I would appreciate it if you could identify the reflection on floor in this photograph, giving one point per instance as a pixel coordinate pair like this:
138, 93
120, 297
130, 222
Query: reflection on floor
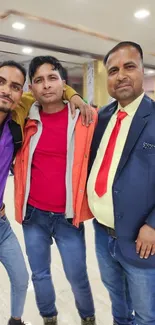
65, 301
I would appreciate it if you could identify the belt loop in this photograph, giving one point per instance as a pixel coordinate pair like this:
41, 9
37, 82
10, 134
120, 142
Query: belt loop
2, 207
2, 210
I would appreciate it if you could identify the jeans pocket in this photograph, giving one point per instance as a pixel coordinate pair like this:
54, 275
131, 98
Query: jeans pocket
29, 214
69, 222
3, 220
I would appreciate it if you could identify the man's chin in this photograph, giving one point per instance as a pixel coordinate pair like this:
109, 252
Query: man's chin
123, 94
48, 101
5, 110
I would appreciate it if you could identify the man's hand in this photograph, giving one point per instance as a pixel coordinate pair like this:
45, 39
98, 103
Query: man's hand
145, 243
85, 109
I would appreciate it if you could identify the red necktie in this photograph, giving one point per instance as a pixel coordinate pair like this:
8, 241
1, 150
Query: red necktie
102, 177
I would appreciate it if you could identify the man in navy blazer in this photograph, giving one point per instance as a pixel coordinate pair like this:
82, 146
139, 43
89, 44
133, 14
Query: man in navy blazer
121, 189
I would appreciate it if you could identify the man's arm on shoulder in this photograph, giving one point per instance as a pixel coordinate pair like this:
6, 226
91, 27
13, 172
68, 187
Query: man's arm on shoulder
25, 104
77, 102
27, 100
69, 94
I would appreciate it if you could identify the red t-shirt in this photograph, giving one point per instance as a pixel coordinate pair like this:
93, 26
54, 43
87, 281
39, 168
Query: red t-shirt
48, 171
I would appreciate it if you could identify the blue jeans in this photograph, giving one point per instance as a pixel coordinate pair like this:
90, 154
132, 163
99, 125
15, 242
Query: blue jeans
130, 288
12, 258
39, 228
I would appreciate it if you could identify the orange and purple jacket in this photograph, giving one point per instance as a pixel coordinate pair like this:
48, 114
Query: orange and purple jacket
79, 140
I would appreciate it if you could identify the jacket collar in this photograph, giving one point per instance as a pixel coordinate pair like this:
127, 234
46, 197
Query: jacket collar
139, 122
146, 108
35, 108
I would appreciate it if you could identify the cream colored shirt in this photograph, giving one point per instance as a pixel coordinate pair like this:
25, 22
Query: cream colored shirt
102, 207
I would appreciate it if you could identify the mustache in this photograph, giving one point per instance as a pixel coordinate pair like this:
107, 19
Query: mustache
5, 110
122, 83
7, 97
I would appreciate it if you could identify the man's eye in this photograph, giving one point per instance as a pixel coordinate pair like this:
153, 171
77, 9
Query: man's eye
16, 88
111, 72
52, 78
37, 81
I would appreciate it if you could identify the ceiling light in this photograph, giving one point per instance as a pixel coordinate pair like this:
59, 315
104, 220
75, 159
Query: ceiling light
27, 50
141, 14
18, 25
150, 71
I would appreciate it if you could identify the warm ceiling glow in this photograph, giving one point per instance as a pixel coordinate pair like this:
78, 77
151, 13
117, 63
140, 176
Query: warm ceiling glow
27, 50
150, 71
141, 14
18, 25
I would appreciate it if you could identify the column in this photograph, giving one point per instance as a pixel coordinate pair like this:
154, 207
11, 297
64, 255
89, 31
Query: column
95, 83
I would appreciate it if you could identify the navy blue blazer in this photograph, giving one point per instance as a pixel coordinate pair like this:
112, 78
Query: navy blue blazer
134, 184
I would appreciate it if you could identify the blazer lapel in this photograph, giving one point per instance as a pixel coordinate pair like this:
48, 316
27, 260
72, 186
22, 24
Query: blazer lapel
138, 124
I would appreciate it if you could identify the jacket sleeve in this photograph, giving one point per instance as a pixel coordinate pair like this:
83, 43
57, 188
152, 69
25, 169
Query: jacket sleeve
150, 221
69, 92
25, 104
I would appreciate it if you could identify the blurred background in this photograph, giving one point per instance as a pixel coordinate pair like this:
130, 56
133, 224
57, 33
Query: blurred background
79, 33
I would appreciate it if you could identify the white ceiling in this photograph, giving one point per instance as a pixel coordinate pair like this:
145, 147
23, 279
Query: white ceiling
111, 18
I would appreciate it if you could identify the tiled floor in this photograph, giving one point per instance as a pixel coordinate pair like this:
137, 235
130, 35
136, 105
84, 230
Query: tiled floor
65, 301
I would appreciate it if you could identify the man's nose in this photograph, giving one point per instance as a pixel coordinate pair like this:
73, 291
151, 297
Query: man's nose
121, 75
46, 84
6, 90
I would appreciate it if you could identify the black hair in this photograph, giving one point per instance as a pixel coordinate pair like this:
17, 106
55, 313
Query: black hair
14, 64
124, 44
65, 75
40, 60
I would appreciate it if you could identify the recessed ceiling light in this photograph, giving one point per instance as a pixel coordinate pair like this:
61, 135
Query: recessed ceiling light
27, 50
141, 14
150, 71
18, 25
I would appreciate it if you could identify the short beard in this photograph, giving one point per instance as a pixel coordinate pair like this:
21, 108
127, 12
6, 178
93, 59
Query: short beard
5, 110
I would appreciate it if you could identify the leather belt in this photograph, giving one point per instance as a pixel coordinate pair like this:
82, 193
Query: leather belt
2, 211
110, 231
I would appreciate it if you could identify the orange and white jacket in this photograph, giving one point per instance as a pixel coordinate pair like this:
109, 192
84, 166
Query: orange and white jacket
79, 140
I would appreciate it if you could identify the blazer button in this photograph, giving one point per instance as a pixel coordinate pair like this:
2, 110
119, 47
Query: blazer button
119, 216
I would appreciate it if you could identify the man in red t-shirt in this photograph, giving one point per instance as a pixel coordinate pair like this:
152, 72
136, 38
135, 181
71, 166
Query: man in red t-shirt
48, 211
